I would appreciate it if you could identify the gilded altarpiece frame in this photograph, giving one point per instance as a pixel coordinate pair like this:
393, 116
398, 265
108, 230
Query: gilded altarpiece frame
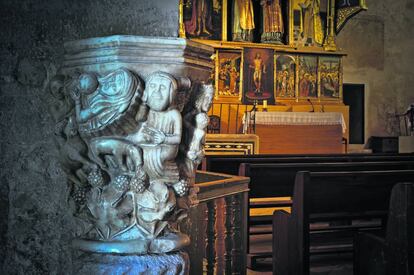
330, 77
228, 76
285, 76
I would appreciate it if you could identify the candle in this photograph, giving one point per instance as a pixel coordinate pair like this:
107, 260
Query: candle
264, 104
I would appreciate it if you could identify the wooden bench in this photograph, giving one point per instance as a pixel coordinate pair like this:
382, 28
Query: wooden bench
326, 197
229, 164
394, 253
271, 187
277, 179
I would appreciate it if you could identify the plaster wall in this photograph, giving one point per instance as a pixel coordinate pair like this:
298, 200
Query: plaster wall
35, 227
380, 47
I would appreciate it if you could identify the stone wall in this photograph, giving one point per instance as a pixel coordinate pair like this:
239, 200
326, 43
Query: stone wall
35, 227
380, 47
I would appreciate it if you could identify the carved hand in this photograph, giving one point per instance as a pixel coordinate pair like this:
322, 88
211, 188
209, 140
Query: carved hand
75, 94
159, 137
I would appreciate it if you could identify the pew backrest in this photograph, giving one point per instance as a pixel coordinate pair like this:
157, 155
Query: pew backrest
277, 179
325, 196
229, 164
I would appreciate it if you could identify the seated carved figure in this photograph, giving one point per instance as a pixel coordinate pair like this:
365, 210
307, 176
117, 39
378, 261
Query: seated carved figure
160, 135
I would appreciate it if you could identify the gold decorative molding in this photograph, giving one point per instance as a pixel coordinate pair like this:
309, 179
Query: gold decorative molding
181, 31
344, 14
226, 144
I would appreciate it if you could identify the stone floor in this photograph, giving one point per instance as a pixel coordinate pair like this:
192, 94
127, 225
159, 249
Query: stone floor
340, 269
334, 270
262, 243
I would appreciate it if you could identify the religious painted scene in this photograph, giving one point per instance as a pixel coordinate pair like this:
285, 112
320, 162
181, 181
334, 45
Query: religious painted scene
217, 137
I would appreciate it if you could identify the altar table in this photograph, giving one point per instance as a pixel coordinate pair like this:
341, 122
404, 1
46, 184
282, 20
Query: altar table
297, 132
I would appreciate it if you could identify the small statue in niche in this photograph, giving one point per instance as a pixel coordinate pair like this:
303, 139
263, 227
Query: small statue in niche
273, 27
243, 20
312, 29
200, 23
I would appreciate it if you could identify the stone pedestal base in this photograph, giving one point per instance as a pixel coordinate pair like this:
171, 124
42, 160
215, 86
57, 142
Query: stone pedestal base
168, 264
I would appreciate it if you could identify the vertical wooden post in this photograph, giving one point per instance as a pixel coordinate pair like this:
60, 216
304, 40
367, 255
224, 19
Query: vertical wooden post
211, 237
228, 234
239, 230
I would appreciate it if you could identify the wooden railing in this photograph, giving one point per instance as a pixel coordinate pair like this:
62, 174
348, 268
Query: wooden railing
231, 115
218, 225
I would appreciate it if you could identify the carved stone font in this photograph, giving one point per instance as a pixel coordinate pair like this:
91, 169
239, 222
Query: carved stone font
130, 155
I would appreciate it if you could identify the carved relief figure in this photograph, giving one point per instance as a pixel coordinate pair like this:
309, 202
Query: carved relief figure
243, 20
273, 27
72, 149
312, 30
196, 121
160, 135
99, 102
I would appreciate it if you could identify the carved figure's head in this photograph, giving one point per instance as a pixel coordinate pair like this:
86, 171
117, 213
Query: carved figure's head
160, 91
205, 98
87, 83
56, 87
156, 202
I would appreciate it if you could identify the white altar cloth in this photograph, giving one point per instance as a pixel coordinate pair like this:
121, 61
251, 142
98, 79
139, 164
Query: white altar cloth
294, 118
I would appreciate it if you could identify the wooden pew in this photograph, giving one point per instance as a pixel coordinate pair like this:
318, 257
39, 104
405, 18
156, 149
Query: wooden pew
277, 179
394, 253
229, 164
271, 185
326, 197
